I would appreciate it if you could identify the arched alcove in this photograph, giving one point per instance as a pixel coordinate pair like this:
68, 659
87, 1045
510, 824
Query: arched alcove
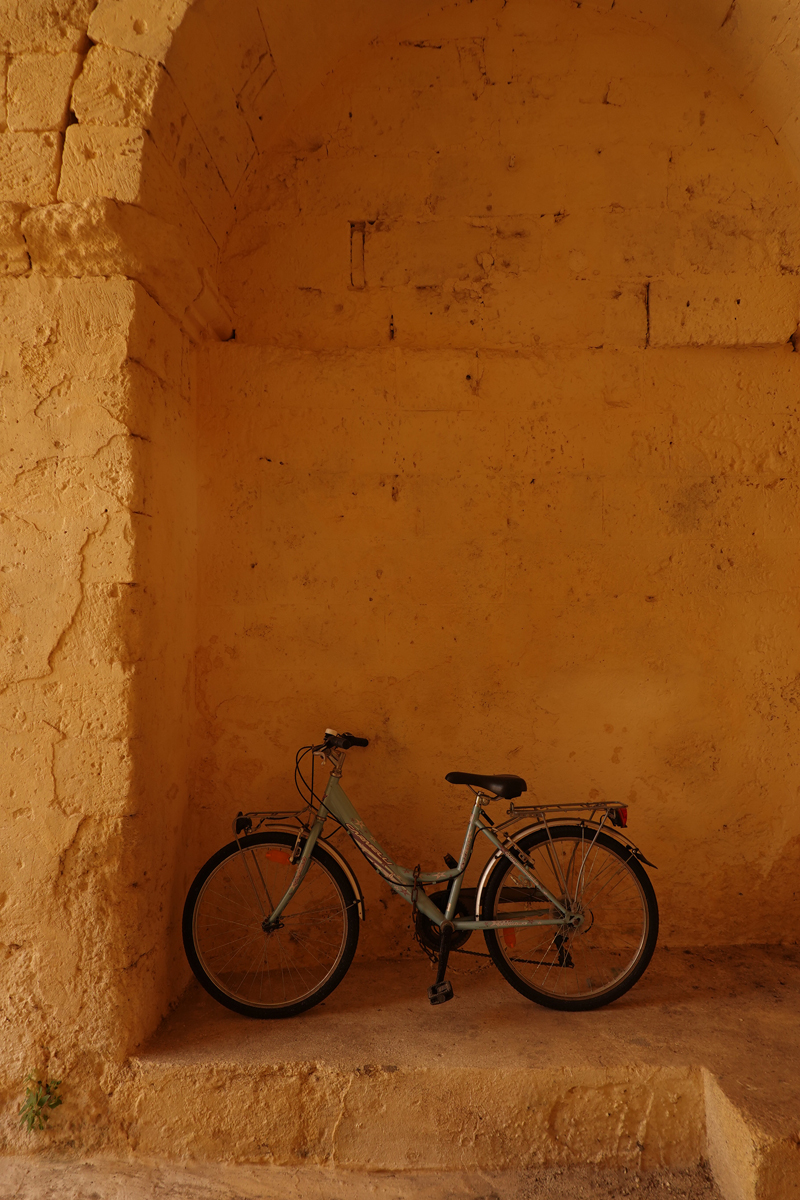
130, 258
510, 303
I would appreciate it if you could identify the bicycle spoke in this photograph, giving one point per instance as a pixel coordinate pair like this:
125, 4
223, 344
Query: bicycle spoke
570, 962
291, 962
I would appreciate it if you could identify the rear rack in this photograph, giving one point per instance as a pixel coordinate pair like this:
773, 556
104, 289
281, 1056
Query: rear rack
530, 810
598, 810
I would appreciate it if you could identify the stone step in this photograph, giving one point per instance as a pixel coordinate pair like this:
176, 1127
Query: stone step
694, 1062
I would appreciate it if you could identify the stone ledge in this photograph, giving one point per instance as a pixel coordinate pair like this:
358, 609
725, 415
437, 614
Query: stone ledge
692, 1062
25, 1179
103, 237
696, 1061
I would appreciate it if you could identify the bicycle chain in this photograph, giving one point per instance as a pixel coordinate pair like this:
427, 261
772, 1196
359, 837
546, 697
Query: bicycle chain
434, 957
431, 954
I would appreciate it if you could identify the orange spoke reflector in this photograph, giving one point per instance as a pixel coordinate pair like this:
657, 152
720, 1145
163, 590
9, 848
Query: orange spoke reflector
279, 856
510, 938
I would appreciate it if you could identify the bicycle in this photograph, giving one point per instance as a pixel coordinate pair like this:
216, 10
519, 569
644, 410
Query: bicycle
568, 913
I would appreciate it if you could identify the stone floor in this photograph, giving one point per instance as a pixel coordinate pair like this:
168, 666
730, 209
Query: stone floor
376, 1094
735, 1011
103, 1180
733, 1014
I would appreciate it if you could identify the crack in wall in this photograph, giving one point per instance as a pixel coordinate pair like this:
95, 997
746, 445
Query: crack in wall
332, 1159
647, 313
70, 115
728, 14
80, 581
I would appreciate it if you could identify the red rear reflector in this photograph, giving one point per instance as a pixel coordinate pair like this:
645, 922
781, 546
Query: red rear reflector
279, 856
623, 816
510, 938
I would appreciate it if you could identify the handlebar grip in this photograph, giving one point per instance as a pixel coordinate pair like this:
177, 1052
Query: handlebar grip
343, 740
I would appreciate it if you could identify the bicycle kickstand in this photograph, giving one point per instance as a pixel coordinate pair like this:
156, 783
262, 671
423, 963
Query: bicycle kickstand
442, 991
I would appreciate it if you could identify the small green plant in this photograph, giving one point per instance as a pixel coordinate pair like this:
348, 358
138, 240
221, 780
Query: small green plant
40, 1095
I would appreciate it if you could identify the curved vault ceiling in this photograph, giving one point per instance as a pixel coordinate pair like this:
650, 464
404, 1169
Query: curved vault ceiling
756, 43
238, 72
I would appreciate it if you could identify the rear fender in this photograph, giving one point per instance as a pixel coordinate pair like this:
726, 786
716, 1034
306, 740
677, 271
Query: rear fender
521, 833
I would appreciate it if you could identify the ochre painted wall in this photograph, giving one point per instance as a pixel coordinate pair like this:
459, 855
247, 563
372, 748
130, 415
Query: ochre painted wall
503, 476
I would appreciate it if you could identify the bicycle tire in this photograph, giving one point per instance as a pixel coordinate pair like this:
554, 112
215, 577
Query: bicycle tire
284, 972
560, 966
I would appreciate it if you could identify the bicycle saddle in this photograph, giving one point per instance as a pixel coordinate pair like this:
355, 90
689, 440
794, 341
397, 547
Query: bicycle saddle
506, 787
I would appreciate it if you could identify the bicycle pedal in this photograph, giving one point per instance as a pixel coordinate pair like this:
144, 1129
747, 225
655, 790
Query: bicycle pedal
440, 993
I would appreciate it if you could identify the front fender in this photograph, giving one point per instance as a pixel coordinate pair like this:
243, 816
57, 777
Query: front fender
351, 876
338, 858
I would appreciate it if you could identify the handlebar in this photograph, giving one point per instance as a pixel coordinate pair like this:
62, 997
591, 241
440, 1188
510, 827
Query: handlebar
343, 741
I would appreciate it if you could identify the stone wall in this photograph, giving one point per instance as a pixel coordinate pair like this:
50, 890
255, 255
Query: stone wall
170, 172
98, 585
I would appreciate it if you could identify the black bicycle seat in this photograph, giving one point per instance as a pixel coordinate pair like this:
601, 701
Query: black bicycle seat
506, 787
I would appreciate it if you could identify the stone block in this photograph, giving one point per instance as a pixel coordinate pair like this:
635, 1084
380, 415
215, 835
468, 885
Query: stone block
14, 258
102, 237
91, 765
722, 167
44, 25
100, 161
115, 472
116, 87
93, 692
625, 317
53, 329
29, 167
617, 244
429, 120
724, 310
426, 254
41, 585
126, 165
110, 555
39, 87
74, 423
3, 90
145, 27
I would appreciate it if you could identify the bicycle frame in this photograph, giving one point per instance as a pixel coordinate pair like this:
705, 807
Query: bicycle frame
403, 881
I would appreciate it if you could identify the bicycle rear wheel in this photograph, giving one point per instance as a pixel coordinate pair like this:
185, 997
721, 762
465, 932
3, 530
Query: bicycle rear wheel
289, 969
564, 966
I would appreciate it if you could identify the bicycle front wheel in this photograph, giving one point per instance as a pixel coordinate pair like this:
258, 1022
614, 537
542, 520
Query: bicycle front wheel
297, 964
601, 883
